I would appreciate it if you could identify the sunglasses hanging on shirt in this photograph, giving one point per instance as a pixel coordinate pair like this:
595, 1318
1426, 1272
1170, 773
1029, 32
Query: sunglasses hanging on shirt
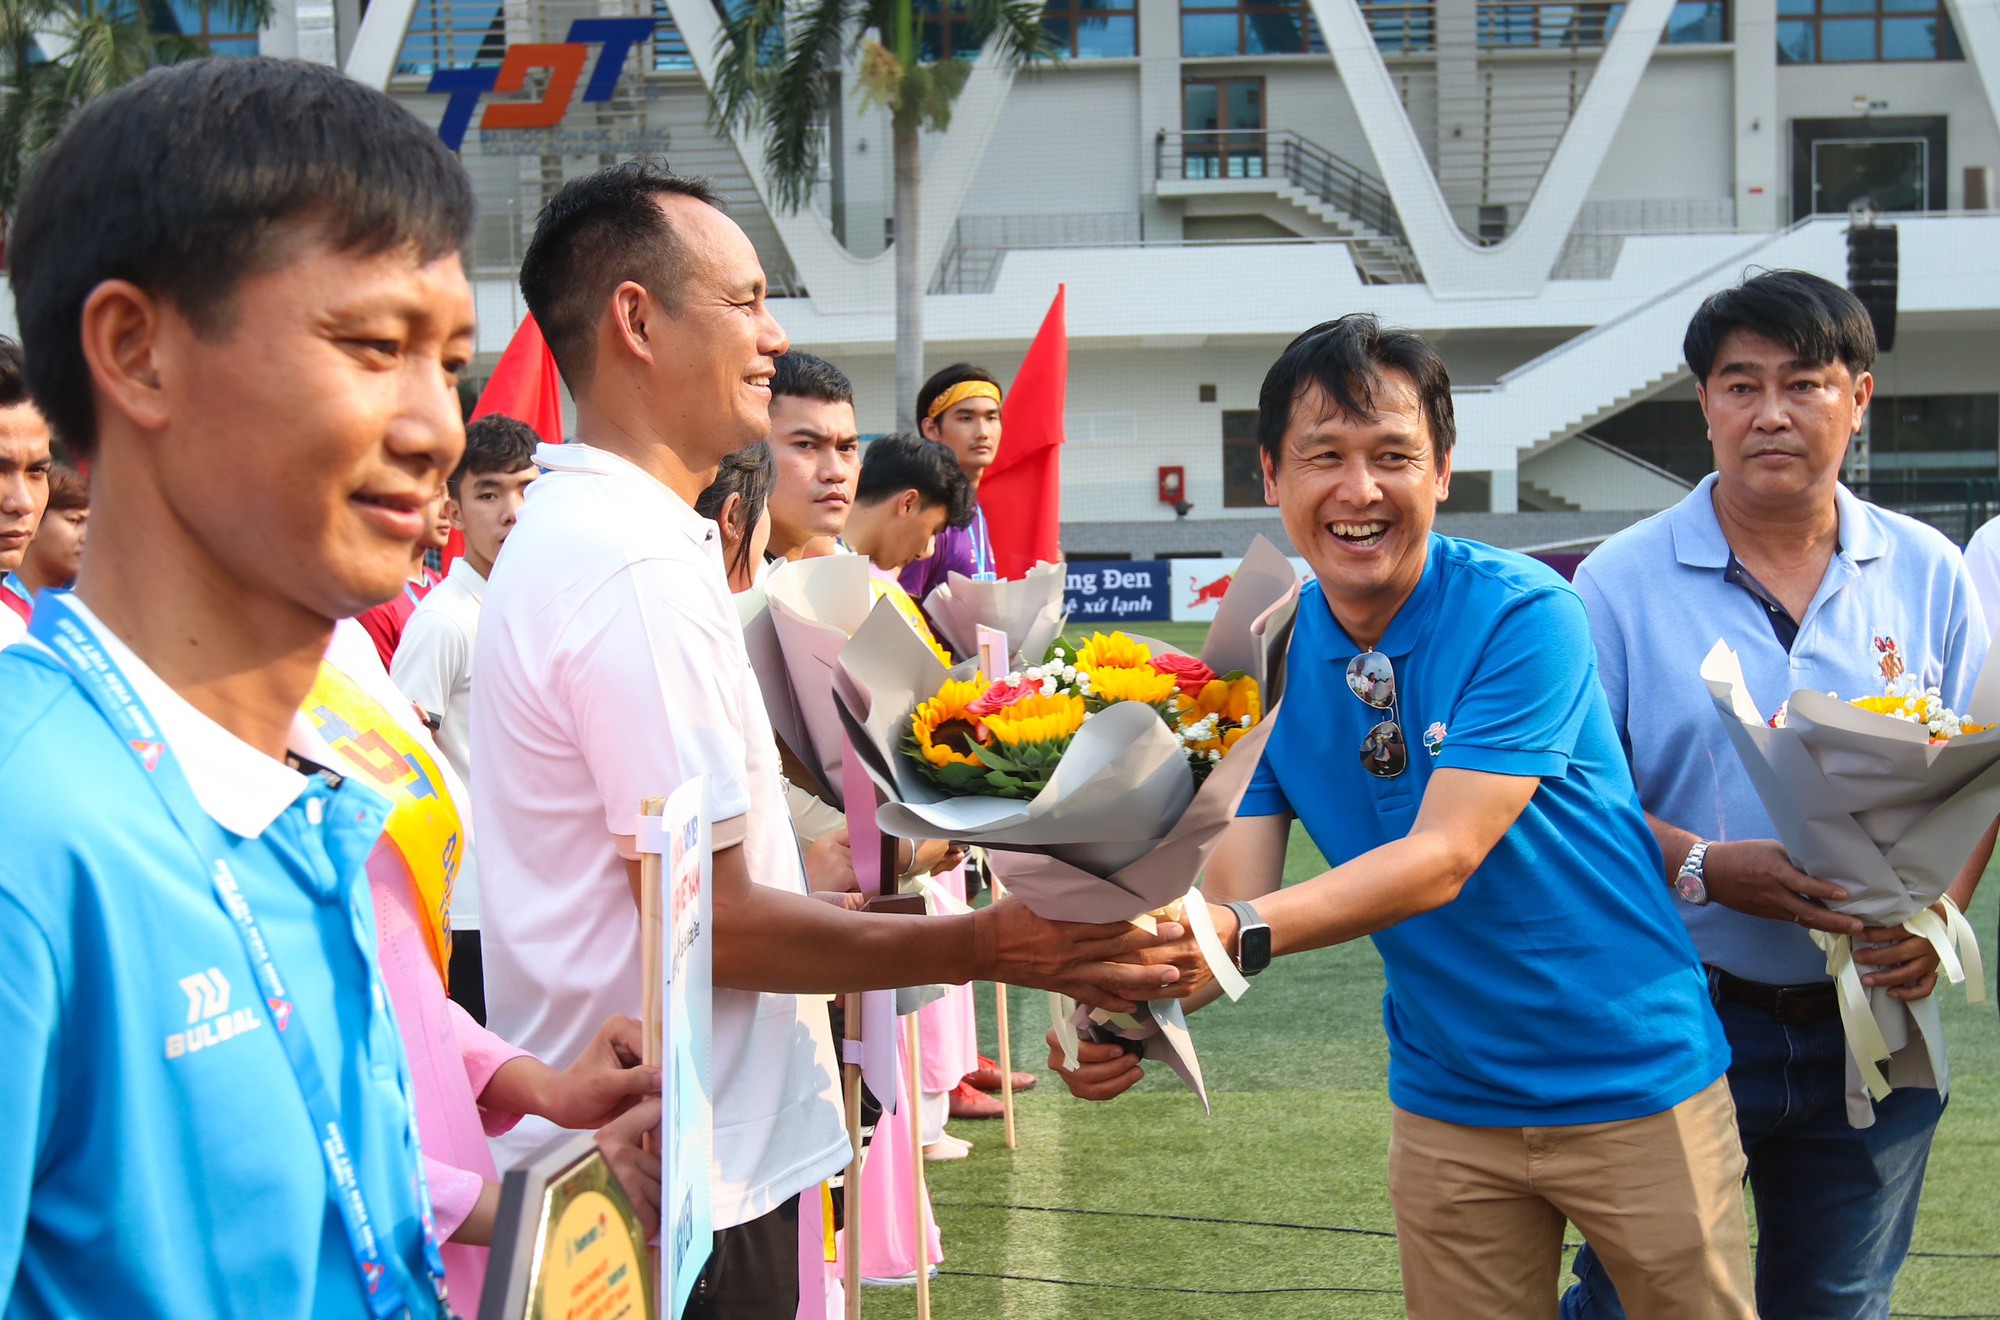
1372, 678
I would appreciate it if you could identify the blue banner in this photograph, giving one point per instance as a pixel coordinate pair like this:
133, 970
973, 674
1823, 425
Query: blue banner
1115, 592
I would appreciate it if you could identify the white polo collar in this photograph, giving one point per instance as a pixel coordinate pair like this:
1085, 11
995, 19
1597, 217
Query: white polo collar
241, 788
576, 456
469, 579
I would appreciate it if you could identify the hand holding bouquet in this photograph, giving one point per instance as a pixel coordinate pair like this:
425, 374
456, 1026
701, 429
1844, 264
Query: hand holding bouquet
1098, 785
1885, 796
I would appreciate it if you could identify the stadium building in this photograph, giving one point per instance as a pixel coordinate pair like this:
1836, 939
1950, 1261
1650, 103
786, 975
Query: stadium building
1547, 189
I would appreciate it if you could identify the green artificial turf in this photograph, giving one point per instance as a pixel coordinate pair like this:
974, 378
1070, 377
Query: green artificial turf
1276, 1205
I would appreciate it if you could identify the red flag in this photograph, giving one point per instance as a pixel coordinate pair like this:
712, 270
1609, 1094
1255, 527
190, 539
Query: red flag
525, 386
1022, 492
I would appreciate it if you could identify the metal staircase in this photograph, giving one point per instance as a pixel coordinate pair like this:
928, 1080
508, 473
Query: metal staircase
1340, 195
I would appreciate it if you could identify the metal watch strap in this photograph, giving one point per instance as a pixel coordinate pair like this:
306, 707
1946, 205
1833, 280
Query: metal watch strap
1694, 867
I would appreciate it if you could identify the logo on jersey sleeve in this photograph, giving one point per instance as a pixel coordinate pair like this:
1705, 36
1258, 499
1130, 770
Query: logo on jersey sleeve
1434, 737
210, 1021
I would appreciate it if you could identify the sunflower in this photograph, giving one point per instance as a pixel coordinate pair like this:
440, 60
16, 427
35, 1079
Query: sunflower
945, 733
1038, 719
1144, 684
1114, 652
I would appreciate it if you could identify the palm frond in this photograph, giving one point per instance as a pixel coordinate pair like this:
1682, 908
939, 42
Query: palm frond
1013, 30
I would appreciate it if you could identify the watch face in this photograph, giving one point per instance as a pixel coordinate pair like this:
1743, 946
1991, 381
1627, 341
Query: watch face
1253, 945
1690, 888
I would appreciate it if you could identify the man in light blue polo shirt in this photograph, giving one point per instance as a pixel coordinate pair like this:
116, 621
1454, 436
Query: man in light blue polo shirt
1816, 589
206, 1100
1443, 737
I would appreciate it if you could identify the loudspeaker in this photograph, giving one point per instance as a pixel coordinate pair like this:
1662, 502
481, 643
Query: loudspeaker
1871, 275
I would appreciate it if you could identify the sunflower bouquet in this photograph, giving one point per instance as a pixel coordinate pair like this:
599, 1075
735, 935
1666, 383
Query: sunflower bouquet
1005, 737
1099, 780
1886, 796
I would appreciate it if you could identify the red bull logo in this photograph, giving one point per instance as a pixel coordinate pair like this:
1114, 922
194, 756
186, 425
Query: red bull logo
1211, 594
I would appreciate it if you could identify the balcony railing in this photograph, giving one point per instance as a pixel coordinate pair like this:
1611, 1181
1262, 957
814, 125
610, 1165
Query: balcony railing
1283, 154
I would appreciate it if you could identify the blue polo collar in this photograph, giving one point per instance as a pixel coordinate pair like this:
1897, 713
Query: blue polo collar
1699, 542
1411, 622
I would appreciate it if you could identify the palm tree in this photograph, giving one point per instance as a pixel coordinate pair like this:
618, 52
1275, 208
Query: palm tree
779, 70
96, 45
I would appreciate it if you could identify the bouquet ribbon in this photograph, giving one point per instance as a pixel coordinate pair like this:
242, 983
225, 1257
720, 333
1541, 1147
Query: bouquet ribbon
1194, 912
1959, 962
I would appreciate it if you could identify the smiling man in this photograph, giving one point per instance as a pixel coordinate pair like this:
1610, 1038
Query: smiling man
257, 348
611, 668
1813, 588
815, 455
1552, 1053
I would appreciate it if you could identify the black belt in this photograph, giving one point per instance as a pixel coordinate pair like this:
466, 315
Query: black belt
1797, 1005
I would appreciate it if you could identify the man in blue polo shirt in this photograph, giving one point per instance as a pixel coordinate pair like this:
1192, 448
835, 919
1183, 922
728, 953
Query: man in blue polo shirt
1552, 1052
207, 1104
1816, 589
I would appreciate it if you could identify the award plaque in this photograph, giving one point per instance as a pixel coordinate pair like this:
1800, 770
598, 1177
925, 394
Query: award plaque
566, 1244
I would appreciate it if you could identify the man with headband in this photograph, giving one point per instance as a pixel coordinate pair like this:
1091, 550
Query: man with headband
959, 408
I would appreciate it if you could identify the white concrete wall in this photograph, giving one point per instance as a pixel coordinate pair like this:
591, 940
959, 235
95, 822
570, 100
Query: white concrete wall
1676, 142
1067, 143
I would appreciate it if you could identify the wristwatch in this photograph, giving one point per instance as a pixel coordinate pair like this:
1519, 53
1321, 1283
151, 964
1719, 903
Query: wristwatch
1253, 940
1690, 883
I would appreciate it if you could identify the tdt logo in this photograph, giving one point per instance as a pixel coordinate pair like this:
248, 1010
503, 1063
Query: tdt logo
564, 61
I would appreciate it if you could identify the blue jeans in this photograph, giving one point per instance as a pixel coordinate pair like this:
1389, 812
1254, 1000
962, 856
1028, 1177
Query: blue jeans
1835, 1204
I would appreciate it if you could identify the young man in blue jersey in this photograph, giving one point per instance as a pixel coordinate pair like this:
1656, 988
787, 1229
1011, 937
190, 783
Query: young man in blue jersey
239, 284
1444, 740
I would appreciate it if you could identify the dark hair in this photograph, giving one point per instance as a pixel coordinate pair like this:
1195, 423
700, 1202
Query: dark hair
67, 488
13, 374
804, 376
900, 462
955, 374
747, 472
596, 233
1816, 319
494, 443
184, 182
1345, 360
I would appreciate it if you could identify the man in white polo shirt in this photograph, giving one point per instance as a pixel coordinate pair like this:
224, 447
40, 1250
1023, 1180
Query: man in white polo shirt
611, 668
433, 664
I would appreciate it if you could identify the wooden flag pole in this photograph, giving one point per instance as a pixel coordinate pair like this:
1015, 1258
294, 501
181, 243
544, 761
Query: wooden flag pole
1006, 1036
913, 1094
851, 1188
652, 978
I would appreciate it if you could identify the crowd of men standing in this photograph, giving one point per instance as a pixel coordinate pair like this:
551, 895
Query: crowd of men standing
1603, 1004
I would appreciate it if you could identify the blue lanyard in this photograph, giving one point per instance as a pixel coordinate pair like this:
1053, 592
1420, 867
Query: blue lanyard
982, 547
56, 625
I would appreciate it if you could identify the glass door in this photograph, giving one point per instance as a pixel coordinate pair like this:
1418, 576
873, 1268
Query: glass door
1882, 174
1223, 123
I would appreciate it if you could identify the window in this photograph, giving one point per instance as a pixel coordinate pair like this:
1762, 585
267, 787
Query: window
1864, 31
670, 48
1588, 24
1400, 27
1242, 471
453, 34
1885, 163
1093, 29
1249, 27
944, 29
1937, 435
212, 30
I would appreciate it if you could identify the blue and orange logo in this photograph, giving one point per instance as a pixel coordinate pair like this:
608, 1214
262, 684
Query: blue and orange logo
563, 59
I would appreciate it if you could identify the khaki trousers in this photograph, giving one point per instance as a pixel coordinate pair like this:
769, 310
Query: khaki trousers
1480, 1211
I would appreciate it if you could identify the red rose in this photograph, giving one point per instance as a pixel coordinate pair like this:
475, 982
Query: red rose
1000, 696
1188, 673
